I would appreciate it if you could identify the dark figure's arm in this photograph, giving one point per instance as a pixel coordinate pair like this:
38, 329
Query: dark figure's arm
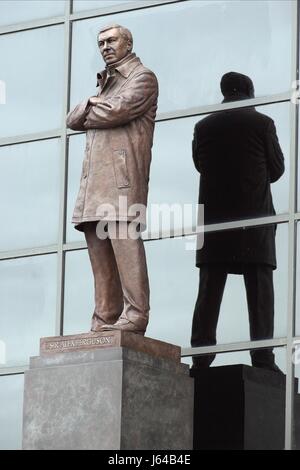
195, 149
275, 158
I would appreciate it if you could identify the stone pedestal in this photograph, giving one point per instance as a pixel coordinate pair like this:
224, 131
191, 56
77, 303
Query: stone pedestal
240, 407
110, 390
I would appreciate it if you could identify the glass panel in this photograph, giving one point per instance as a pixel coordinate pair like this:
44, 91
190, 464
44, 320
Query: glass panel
81, 5
171, 269
243, 357
171, 266
27, 305
173, 178
17, 11
79, 293
11, 411
76, 154
280, 113
34, 82
236, 406
189, 73
29, 194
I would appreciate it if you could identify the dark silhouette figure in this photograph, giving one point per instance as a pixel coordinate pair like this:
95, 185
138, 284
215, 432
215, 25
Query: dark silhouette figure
238, 156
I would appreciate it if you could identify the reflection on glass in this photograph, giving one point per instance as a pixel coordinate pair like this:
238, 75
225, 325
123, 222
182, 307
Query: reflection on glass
79, 293
173, 178
27, 305
280, 113
34, 82
76, 155
174, 286
238, 156
243, 357
17, 11
80, 5
11, 399
187, 74
30, 184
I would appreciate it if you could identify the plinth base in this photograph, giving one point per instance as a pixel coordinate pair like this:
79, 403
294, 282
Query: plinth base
240, 407
107, 398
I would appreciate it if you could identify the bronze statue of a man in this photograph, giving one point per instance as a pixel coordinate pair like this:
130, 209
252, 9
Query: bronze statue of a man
119, 125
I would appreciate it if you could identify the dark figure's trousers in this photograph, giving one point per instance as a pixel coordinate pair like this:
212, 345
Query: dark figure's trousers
260, 299
120, 276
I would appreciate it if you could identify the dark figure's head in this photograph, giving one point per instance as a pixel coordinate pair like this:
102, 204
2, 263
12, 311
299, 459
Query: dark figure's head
236, 86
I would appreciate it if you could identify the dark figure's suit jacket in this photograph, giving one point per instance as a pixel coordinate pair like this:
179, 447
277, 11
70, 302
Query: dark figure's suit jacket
238, 156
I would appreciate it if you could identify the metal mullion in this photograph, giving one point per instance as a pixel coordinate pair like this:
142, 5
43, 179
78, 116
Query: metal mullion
189, 231
292, 247
74, 246
233, 347
127, 7
24, 253
81, 245
213, 108
33, 24
186, 352
63, 181
23, 139
14, 370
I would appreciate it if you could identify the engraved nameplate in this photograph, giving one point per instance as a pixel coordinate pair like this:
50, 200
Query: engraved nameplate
78, 342
109, 339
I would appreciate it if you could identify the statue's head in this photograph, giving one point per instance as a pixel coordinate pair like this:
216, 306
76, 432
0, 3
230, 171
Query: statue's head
115, 42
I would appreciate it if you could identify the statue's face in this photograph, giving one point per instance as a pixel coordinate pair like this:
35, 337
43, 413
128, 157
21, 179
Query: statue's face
113, 46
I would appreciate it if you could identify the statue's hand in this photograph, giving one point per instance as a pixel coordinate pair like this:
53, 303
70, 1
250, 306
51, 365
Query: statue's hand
93, 100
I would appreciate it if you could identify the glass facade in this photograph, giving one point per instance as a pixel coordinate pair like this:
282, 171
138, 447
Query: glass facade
186, 52
49, 61
18, 11
31, 185
31, 105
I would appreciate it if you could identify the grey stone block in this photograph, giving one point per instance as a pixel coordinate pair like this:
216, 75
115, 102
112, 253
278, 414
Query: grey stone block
113, 398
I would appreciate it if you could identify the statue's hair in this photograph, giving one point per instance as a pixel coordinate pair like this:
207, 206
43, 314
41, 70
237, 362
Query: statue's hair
123, 31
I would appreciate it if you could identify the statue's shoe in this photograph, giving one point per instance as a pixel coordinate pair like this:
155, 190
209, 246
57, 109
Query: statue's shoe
125, 325
97, 322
